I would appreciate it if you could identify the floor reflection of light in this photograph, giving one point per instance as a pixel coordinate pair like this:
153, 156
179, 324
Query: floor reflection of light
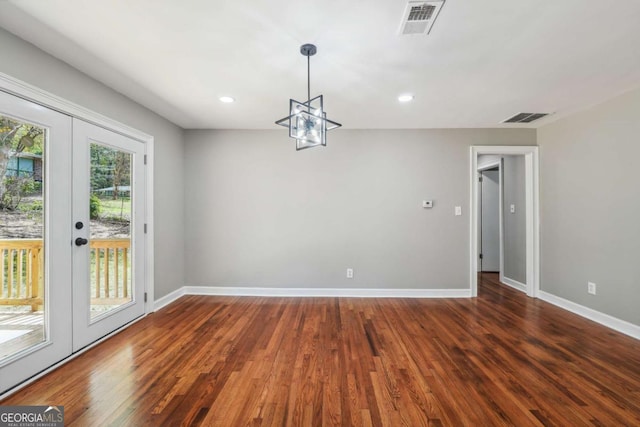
111, 381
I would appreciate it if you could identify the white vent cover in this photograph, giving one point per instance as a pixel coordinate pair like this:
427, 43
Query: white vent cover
419, 16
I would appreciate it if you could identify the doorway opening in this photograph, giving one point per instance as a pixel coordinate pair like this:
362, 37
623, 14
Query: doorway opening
490, 258
504, 221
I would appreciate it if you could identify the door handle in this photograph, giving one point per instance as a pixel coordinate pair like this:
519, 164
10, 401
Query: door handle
80, 241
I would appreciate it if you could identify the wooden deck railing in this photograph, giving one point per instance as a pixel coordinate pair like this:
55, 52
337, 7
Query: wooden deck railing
110, 271
22, 272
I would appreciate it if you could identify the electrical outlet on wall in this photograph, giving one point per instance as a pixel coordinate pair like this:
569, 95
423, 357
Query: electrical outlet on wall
349, 273
591, 288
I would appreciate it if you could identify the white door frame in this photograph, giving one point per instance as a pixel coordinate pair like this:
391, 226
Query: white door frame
31, 93
532, 215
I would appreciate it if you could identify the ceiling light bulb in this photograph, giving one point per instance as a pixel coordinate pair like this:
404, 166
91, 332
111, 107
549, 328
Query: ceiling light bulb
226, 99
405, 98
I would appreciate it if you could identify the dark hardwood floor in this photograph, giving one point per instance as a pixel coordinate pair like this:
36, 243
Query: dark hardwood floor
500, 359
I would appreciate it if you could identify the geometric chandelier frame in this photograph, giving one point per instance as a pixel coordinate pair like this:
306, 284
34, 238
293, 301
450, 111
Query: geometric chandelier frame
307, 121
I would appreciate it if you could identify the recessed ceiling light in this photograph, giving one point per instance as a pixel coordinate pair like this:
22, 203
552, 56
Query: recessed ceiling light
227, 99
405, 98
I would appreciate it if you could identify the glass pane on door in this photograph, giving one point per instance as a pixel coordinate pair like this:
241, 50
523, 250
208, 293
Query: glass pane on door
110, 208
22, 207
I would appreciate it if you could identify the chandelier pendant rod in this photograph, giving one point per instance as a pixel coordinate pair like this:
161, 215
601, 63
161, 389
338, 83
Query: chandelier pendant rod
308, 78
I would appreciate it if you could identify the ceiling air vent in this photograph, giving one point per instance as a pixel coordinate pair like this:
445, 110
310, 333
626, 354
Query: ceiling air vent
419, 16
525, 117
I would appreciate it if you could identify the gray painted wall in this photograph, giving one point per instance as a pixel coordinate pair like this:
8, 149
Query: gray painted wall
28, 63
590, 207
261, 214
515, 228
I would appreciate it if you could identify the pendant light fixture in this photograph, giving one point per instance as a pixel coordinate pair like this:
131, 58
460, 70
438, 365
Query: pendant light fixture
307, 121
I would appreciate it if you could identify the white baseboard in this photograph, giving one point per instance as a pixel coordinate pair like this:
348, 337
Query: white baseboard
514, 284
591, 314
327, 292
310, 292
168, 299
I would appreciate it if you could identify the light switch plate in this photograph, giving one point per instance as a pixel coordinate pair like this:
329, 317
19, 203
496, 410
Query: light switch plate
512, 208
458, 210
427, 203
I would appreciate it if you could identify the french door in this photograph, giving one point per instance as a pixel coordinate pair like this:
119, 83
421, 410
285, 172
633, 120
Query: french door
35, 255
71, 236
108, 272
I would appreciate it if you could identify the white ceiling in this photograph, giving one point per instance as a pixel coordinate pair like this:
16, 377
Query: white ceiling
483, 61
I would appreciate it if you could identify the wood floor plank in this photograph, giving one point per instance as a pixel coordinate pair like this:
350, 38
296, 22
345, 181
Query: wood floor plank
500, 359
